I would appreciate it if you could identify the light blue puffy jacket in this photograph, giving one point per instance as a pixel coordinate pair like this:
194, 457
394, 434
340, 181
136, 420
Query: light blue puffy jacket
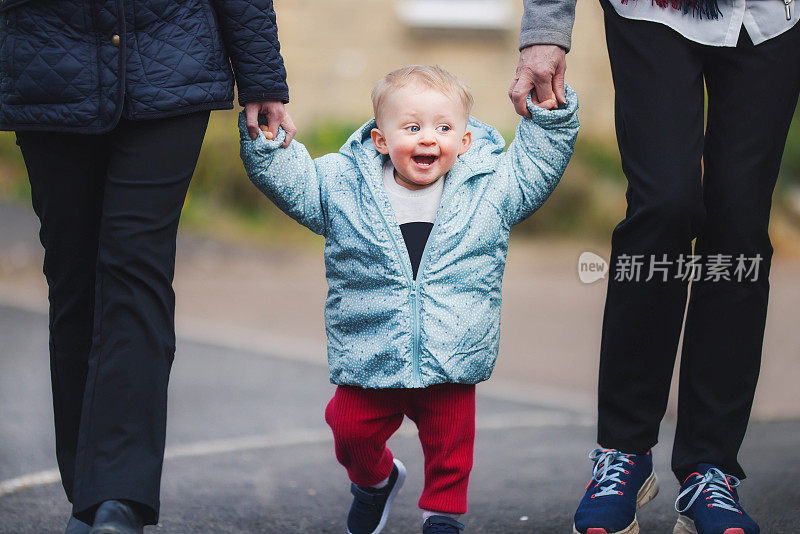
384, 328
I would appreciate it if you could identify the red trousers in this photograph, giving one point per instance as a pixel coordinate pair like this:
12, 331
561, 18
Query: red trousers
363, 419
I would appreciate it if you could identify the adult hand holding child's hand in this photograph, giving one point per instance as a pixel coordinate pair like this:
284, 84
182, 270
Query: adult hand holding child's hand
276, 116
541, 68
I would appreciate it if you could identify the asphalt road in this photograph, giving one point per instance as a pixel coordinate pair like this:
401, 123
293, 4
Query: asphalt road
248, 451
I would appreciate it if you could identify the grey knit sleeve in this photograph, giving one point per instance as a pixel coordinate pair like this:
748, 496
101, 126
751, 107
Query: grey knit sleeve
547, 22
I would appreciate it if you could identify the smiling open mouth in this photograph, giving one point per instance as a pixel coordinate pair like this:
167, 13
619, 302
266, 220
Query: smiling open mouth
424, 160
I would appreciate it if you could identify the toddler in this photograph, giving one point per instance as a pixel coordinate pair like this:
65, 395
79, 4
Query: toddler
416, 210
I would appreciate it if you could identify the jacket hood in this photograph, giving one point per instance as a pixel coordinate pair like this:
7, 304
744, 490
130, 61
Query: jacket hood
482, 156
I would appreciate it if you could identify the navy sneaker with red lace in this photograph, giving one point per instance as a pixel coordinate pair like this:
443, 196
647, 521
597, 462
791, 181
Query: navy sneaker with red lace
370, 507
709, 504
441, 524
620, 484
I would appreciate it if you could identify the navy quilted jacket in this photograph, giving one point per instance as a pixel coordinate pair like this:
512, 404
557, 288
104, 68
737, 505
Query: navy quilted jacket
79, 65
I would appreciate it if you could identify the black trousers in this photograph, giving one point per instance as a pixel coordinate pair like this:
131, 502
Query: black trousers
686, 182
109, 207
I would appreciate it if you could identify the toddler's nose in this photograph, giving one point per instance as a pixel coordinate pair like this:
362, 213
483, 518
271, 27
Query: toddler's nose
427, 138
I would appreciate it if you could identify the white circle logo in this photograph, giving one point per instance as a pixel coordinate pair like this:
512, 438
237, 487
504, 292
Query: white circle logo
591, 267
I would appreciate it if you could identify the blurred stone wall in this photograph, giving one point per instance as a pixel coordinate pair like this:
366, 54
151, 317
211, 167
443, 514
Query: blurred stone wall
336, 49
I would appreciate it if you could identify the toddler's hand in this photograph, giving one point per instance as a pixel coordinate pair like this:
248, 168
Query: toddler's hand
265, 129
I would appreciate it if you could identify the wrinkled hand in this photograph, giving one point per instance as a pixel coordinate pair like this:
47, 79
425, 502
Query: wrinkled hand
276, 116
542, 68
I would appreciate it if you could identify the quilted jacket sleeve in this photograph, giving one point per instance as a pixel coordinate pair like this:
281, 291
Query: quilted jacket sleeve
538, 156
250, 33
287, 176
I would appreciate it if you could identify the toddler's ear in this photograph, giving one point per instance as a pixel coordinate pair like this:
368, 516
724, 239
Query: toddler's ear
466, 141
379, 141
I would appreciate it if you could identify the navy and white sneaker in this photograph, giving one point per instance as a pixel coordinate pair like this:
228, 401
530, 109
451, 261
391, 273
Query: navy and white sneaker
441, 524
709, 504
370, 506
621, 483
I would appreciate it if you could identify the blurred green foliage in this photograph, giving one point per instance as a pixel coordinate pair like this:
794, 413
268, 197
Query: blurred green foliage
219, 171
13, 177
589, 201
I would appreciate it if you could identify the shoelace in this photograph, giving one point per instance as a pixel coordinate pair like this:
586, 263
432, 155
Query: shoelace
609, 465
718, 484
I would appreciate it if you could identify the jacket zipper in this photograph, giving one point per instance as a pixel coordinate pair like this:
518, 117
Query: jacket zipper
415, 333
414, 286
786, 4
414, 303
415, 295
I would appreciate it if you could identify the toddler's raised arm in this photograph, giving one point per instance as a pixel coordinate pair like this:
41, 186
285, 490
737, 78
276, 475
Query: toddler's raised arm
287, 176
538, 156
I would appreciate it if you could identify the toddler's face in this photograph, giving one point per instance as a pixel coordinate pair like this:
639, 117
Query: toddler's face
423, 131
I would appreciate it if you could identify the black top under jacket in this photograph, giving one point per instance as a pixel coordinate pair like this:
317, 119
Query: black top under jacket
416, 234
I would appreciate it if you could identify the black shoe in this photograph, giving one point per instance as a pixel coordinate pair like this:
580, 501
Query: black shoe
441, 524
116, 517
76, 526
370, 506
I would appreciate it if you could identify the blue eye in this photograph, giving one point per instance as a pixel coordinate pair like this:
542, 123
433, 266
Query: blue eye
414, 128
444, 128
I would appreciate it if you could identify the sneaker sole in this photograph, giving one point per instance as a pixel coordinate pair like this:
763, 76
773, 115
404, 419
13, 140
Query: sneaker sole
647, 493
685, 525
401, 477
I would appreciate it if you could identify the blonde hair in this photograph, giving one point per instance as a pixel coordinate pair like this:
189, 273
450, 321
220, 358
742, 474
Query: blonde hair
432, 76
